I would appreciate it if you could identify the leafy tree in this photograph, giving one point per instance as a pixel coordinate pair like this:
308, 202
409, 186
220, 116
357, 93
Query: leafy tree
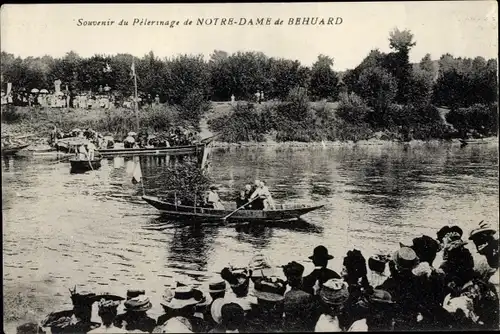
352, 109
324, 81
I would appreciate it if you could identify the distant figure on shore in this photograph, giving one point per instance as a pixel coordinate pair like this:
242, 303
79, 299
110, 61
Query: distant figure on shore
257, 97
232, 99
261, 96
157, 99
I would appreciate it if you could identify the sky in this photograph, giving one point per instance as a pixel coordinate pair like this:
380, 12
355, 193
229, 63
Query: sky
462, 28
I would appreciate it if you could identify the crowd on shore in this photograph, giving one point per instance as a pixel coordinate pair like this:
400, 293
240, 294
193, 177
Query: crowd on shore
403, 291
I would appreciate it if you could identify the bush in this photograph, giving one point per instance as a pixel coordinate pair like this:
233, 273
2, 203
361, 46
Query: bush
478, 120
352, 109
244, 124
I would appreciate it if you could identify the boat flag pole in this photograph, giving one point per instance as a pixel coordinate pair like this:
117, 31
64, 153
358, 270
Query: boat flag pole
136, 109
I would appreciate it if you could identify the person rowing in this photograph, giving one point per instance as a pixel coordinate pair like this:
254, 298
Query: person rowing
265, 200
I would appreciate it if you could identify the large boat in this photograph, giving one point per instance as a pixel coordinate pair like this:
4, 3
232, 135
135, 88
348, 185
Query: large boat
182, 212
13, 149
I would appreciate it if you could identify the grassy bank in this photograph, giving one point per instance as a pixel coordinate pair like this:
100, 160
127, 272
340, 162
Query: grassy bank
116, 122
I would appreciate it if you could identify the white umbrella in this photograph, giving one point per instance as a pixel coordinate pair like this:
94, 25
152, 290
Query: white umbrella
34, 90
44, 91
109, 138
131, 133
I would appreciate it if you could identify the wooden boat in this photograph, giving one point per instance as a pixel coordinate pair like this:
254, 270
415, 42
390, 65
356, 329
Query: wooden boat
489, 140
174, 150
197, 213
82, 166
13, 149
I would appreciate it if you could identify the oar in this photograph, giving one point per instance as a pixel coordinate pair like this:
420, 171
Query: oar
238, 209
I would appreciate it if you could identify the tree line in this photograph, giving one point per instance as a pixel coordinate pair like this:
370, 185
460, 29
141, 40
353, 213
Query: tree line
385, 91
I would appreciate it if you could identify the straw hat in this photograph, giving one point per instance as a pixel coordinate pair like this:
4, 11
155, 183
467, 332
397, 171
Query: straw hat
482, 230
138, 304
217, 306
183, 296
405, 258
334, 292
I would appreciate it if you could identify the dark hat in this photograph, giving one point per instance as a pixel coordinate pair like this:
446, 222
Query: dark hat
214, 188
135, 293
82, 297
234, 278
321, 252
107, 297
442, 232
219, 286
138, 304
425, 246
376, 263
293, 269
456, 232
269, 290
405, 258
381, 297
232, 314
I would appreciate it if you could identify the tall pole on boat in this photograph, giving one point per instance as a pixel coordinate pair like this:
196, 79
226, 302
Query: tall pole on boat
136, 101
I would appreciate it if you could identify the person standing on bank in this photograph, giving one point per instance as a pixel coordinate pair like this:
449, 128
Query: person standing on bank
321, 273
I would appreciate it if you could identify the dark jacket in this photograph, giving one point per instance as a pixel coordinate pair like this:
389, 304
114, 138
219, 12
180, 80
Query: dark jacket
302, 311
322, 274
134, 321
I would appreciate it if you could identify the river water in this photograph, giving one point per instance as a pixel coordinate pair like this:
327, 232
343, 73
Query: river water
93, 231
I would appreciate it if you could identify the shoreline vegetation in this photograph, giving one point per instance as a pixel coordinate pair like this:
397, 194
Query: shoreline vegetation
384, 98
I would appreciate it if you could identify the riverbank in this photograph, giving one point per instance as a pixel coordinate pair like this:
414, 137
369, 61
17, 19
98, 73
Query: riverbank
371, 142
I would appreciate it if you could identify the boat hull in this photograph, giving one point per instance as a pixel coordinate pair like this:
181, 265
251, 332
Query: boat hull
176, 150
191, 213
82, 166
13, 150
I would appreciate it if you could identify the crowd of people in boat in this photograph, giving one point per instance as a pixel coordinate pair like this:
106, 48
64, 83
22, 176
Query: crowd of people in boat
173, 137
404, 291
256, 197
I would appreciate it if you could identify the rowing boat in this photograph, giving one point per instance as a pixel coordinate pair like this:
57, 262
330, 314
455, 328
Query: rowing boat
196, 213
82, 166
13, 149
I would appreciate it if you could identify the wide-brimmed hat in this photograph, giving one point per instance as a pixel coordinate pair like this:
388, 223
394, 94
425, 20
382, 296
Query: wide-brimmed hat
320, 253
219, 306
334, 292
405, 258
381, 297
218, 286
138, 304
272, 291
235, 278
482, 230
261, 266
183, 296
293, 270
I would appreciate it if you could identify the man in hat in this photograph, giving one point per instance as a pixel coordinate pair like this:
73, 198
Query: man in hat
300, 308
77, 320
217, 290
135, 316
486, 243
403, 287
267, 314
180, 309
321, 273
107, 312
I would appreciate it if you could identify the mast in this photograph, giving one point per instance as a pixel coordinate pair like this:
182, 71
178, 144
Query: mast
136, 102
